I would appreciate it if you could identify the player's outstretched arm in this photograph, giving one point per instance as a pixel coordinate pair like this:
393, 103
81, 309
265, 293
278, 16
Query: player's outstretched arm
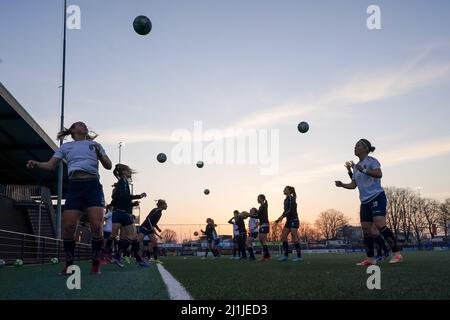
47, 166
349, 186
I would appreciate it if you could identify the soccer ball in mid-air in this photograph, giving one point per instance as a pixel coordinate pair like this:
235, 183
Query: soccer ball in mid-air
303, 127
200, 164
161, 158
195, 233
142, 25
18, 263
54, 260
206, 191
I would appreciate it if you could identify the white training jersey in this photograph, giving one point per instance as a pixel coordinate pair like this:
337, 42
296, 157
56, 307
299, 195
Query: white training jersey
108, 222
368, 187
253, 225
235, 229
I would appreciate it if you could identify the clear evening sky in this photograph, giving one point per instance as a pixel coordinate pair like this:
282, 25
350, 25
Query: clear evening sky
244, 64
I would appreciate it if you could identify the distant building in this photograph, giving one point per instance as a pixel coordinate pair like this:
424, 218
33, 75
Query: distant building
350, 234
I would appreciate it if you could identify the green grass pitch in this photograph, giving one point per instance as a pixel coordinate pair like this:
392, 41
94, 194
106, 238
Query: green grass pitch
43, 282
422, 275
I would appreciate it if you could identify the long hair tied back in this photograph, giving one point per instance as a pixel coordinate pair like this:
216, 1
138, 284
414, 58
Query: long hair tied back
263, 197
90, 135
120, 168
367, 145
292, 191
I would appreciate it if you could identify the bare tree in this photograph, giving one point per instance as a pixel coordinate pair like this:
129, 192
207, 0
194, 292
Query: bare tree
168, 236
394, 209
328, 223
275, 232
408, 207
430, 209
418, 221
307, 232
443, 217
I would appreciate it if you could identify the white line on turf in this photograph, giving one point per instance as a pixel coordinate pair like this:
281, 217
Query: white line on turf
176, 290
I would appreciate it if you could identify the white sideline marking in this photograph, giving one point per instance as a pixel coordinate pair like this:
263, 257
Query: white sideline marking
176, 290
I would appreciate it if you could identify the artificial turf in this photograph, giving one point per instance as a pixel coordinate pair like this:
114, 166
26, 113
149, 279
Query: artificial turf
43, 282
422, 275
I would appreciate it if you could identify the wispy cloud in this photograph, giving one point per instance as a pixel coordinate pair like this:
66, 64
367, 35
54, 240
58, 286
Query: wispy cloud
394, 157
368, 86
365, 87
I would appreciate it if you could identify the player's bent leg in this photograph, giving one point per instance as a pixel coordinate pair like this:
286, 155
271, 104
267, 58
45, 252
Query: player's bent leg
70, 220
96, 224
284, 239
295, 239
249, 244
369, 241
388, 235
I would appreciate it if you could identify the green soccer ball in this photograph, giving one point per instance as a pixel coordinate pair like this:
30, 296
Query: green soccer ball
18, 263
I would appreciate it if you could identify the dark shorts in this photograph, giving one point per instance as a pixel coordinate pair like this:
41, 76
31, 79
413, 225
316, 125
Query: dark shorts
216, 242
146, 243
292, 224
236, 239
264, 229
145, 231
83, 194
209, 240
106, 234
122, 217
373, 208
253, 235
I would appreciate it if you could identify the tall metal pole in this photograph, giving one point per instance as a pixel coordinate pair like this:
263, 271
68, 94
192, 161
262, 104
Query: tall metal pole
120, 151
60, 166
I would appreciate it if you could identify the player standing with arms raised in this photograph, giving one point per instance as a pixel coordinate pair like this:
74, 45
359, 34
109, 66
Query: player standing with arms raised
367, 176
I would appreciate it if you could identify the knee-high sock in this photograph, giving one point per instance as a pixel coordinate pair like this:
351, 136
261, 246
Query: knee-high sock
97, 244
266, 251
155, 252
381, 246
206, 252
242, 240
136, 247
298, 249
370, 244
250, 252
234, 251
286, 248
123, 245
389, 237
108, 245
69, 250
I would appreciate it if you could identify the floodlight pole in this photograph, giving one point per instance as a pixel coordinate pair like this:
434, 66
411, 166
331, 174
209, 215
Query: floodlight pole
120, 151
61, 166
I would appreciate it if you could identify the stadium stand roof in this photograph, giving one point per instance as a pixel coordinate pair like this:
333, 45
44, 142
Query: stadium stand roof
22, 139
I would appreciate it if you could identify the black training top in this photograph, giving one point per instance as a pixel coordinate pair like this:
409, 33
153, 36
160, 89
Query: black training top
239, 221
152, 219
122, 199
262, 214
209, 230
290, 208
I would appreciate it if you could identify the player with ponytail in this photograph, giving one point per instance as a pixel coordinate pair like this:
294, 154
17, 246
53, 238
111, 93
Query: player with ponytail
85, 193
292, 224
366, 177
122, 201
